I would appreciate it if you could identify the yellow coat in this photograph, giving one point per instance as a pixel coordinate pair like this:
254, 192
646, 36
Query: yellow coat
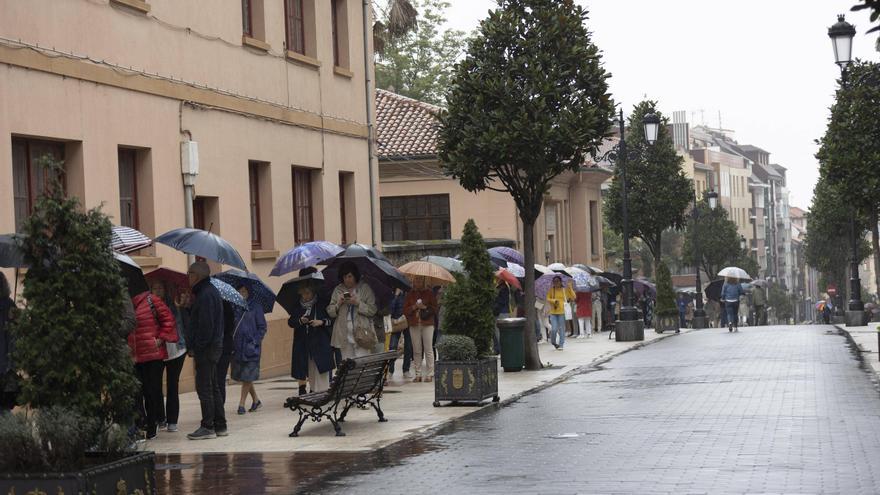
556, 299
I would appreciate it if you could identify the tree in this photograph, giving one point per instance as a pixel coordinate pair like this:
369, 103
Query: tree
68, 342
469, 301
849, 152
779, 300
665, 293
395, 19
747, 262
419, 62
658, 190
717, 239
528, 102
874, 5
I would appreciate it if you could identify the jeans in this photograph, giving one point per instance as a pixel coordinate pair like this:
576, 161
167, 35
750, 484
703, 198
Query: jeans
222, 373
208, 390
732, 312
557, 323
407, 349
171, 411
150, 376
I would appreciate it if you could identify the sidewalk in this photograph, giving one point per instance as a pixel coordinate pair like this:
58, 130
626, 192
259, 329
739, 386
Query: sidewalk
866, 340
408, 407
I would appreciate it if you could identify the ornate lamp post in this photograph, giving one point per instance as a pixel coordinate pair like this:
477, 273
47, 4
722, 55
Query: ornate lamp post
629, 326
841, 34
700, 320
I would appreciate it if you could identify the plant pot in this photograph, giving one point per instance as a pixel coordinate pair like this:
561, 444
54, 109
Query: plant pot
133, 473
466, 381
666, 323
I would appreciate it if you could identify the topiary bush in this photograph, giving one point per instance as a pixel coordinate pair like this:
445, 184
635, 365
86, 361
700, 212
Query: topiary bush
665, 294
467, 304
457, 348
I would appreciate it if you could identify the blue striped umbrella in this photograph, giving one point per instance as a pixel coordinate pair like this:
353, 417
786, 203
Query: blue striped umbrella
228, 293
126, 239
259, 291
304, 256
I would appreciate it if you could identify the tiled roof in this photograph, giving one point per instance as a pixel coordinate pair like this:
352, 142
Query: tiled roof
405, 128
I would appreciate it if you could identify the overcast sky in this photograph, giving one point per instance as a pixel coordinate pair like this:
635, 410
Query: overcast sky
767, 66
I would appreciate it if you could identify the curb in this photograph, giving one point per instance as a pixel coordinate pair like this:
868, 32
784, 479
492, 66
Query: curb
872, 372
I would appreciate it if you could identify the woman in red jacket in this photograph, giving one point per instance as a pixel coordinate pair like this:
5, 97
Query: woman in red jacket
584, 303
155, 327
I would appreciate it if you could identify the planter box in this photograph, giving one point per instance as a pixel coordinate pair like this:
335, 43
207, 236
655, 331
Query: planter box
666, 323
131, 474
466, 381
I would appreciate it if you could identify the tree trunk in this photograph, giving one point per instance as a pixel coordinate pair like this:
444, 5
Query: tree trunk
875, 244
530, 345
658, 254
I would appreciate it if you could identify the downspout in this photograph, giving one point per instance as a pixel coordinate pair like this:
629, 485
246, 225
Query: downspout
367, 100
189, 170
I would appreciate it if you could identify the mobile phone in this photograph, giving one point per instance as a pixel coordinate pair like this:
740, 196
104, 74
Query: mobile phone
346, 295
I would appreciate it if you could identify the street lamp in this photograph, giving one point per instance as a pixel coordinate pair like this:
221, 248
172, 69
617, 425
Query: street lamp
841, 34
742, 243
629, 326
700, 320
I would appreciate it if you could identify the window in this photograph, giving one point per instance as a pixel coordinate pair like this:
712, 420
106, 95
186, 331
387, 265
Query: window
247, 18
294, 21
303, 230
254, 203
128, 202
594, 228
339, 26
29, 175
342, 209
334, 21
415, 218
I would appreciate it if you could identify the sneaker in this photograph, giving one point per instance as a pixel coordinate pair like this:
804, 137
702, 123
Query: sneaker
172, 427
221, 432
409, 374
202, 434
163, 425
241, 410
151, 433
256, 405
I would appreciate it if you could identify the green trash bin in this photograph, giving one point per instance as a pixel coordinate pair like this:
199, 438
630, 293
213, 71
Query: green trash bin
512, 352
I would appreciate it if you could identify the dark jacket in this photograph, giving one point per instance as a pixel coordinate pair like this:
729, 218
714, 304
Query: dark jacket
205, 336
311, 342
502, 301
6, 342
248, 338
397, 305
232, 315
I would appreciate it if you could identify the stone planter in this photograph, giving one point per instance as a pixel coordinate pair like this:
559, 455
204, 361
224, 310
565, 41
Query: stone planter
666, 323
466, 381
133, 473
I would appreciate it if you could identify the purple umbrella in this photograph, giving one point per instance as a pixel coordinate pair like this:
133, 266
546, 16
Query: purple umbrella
544, 282
644, 287
508, 254
583, 281
304, 256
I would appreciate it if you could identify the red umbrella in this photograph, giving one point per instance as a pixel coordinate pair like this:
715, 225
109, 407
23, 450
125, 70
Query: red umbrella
508, 277
177, 281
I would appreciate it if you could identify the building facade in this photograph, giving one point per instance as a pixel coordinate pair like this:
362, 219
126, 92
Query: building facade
273, 93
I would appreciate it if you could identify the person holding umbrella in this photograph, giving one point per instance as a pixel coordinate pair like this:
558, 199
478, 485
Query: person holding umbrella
557, 297
312, 355
420, 307
584, 303
353, 305
247, 342
730, 294
176, 355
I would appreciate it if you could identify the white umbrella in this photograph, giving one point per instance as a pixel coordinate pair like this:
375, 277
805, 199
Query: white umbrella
543, 269
517, 270
734, 272
126, 239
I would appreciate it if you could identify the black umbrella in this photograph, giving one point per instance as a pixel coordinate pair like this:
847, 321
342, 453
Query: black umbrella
713, 290
614, 277
132, 273
203, 243
288, 296
11, 255
380, 275
369, 250
257, 288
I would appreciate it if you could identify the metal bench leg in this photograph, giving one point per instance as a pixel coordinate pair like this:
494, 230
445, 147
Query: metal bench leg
379, 411
345, 411
299, 424
337, 427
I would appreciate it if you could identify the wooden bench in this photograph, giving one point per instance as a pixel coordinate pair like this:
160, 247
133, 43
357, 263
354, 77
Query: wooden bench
358, 382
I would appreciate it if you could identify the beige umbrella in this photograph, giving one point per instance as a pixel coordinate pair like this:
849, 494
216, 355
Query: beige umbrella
435, 274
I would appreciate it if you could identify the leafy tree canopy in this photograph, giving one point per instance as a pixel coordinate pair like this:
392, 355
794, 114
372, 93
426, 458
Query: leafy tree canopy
418, 63
717, 240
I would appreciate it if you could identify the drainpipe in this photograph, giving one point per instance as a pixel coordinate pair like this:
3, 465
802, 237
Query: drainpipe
367, 99
189, 168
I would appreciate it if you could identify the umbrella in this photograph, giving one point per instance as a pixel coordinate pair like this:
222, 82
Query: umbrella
11, 255
371, 252
559, 268
228, 293
288, 296
734, 272
258, 290
449, 264
614, 277
517, 270
169, 276
592, 270
583, 282
434, 274
203, 243
508, 277
713, 290
133, 275
603, 282
759, 283
497, 260
380, 275
543, 270
544, 282
508, 254
820, 305
304, 256
126, 239
644, 287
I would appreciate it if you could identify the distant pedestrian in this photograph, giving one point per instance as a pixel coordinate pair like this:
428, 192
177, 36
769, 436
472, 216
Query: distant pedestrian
170, 410
584, 302
353, 305
205, 345
681, 303
826, 312
557, 297
248, 347
419, 307
9, 382
400, 330
759, 299
730, 294
689, 314
312, 356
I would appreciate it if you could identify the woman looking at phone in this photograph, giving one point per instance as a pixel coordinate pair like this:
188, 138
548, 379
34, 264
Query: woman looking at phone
353, 304
312, 357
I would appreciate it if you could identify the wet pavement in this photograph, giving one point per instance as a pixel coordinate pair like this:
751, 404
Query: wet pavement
765, 410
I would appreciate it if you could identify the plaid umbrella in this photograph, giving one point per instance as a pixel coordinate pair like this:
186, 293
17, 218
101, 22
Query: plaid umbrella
259, 291
229, 294
126, 239
508, 254
544, 282
304, 256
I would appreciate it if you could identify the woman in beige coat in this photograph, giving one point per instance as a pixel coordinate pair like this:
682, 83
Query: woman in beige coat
353, 305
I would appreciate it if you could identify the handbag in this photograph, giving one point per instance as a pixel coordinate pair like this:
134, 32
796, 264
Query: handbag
426, 314
364, 335
399, 324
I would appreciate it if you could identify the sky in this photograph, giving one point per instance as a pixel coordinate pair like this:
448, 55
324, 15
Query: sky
767, 67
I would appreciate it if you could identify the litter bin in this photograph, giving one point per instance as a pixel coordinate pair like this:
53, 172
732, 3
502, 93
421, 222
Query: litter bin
512, 352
